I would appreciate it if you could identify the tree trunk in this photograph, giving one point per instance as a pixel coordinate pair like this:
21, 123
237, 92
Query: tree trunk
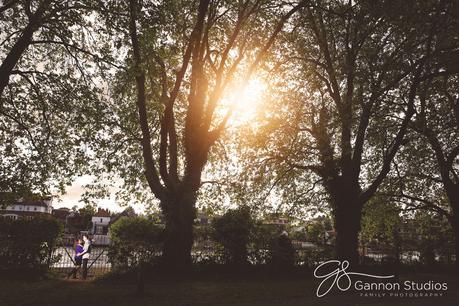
180, 214
347, 224
348, 213
453, 197
456, 240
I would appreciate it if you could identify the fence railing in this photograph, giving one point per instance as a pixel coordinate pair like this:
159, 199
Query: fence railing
99, 261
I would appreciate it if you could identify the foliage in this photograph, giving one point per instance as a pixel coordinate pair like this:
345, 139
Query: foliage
139, 94
28, 243
381, 222
134, 241
180, 67
51, 108
345, 91
233, 231
427, 176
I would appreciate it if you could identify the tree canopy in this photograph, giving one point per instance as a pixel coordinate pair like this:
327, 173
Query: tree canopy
306, 107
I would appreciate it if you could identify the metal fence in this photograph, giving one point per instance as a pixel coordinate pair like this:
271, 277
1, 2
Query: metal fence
99, 263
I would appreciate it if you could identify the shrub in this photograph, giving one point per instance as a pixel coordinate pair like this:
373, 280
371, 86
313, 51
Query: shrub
232, 232
28, 244
135, 241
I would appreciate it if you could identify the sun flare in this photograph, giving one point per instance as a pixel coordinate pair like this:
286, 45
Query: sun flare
246, 99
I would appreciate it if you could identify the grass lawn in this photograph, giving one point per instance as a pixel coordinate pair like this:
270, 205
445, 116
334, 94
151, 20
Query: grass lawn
208, 291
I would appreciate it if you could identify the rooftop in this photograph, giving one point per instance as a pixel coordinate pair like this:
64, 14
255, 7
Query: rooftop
102, 213
32, 203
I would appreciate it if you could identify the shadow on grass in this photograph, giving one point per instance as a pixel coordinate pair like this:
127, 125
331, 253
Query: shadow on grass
203, 285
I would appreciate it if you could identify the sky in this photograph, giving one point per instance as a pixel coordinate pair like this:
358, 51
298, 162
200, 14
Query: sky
73, 195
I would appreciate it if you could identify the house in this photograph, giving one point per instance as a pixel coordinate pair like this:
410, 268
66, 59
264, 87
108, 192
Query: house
277, 219
277, 222
28, 208
100, 222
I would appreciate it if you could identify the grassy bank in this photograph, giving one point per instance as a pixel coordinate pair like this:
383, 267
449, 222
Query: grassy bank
205, 291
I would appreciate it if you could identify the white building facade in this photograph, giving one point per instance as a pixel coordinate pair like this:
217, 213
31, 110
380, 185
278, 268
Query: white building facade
100, 222
28, 208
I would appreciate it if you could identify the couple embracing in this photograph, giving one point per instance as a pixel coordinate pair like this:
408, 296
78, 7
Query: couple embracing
82, 253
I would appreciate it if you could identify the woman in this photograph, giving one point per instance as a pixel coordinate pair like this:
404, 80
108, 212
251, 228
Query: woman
77, 259
85, 255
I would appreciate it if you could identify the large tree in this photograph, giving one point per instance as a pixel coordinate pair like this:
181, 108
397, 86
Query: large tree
427, 169
367, 76
438, 123
427, 175
184, 57
347, 99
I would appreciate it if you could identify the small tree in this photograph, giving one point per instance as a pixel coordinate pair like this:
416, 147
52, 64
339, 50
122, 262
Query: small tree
136, 242
232, 231
381, 226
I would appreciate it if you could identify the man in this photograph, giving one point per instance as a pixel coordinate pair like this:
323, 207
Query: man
85, 255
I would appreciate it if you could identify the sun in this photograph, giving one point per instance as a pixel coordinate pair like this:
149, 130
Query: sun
246, 99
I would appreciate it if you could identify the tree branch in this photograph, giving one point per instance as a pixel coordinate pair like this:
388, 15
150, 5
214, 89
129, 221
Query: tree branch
150, 167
